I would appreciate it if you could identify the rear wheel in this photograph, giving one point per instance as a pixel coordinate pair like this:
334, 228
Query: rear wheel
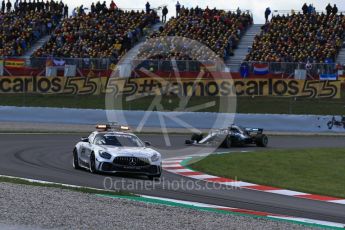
75, 160
93, 164
261, 140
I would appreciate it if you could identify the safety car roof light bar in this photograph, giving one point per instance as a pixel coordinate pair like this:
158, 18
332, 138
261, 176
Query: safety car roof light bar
112, 126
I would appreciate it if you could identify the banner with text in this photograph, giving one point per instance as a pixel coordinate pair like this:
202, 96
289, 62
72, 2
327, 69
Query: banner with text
14, 63
225, 87
182, 87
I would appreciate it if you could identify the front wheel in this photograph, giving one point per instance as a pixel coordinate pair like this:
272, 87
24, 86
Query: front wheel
75, 160
261, 140
93, 164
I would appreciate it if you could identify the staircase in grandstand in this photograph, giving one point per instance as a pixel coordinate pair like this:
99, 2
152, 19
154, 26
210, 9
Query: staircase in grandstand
36, 46
341, 56
244, 45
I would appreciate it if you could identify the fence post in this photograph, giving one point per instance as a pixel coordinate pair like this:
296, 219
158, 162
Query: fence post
159, 65
2, 64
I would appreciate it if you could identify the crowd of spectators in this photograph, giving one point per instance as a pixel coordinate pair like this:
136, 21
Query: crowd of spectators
102, 33
306, 36
109, 32
218, 29
25, 23
167, 53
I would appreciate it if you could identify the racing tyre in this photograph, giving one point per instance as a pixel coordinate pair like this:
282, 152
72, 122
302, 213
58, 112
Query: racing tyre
75, 160
227, 143
197, 137
93, 163
261, 140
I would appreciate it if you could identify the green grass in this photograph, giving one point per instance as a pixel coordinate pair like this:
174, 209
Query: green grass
276, 105
53, 185
316, 171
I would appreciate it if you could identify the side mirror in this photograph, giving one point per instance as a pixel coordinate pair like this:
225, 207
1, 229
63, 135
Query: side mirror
147, 143
84, 139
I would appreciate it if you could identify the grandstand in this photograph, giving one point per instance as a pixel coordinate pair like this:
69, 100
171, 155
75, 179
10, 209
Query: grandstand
98, 38
299, 37
100, 34
21, 28
218, 29
270, 61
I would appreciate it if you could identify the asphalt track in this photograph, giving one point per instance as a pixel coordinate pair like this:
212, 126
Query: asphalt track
48, 157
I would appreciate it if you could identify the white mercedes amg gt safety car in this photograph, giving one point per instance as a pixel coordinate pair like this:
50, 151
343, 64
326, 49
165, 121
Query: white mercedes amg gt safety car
111, 149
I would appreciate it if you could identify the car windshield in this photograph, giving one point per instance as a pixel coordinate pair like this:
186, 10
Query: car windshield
119, 140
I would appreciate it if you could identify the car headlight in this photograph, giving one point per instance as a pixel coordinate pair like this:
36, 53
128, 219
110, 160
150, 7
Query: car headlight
154, 157
104, 155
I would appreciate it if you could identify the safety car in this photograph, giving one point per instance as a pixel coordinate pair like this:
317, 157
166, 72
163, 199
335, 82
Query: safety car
114, 149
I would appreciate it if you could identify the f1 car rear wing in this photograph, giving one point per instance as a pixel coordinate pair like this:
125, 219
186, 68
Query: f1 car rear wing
257, 130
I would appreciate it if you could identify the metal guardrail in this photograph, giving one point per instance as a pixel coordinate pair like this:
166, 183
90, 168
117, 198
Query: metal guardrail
88, 9
289, 12
286, 68
81, 63
242, 11
132, 9
176, 65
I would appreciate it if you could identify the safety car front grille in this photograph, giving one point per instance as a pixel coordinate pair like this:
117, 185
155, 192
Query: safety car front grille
131, 161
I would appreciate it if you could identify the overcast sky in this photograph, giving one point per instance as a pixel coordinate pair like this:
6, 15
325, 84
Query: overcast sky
256, 6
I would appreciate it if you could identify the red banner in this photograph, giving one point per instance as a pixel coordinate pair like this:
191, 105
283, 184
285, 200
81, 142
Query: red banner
14, 63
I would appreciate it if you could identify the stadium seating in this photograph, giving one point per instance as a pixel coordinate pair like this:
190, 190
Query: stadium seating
20, 28
111, 32
97, 34
218, 29
308, 37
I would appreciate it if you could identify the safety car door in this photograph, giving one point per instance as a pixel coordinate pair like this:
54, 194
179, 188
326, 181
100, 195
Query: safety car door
86, 149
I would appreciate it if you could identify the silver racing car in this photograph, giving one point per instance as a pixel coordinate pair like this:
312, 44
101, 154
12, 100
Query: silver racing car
231, 136
113, 149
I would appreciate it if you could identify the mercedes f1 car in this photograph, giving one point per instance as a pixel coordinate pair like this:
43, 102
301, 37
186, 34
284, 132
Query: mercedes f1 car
336, 123
112, 149
231, 136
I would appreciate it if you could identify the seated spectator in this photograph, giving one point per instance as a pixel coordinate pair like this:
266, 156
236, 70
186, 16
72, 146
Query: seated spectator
101, 33
299, 38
